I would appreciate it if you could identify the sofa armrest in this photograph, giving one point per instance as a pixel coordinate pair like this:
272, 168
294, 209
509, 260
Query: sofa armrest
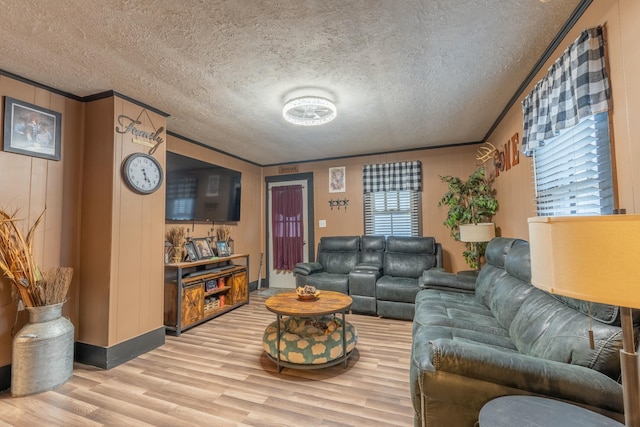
439, 255
365, 267
307, 268
513, 370
439, 278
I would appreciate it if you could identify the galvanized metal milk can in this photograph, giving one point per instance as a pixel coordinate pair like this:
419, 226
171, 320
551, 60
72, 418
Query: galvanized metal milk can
42, 352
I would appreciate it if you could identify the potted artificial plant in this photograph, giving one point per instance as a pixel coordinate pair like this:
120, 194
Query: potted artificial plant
470, 202
42, 356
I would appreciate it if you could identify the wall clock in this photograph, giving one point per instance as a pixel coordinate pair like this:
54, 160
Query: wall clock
142, 173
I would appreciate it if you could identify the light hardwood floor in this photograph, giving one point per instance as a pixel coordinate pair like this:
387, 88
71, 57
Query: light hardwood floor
217, 374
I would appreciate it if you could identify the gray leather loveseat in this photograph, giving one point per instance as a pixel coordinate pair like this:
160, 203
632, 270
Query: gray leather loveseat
475, 339
382, 275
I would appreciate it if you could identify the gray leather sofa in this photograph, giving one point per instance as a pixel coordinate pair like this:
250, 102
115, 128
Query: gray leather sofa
336, 258
382, 275
475, 339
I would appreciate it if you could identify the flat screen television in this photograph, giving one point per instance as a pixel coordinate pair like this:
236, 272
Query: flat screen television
198, 191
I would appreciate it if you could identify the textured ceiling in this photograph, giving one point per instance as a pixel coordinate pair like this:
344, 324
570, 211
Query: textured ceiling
404, 74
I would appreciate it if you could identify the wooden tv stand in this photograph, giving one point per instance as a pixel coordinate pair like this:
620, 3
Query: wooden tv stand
195, 292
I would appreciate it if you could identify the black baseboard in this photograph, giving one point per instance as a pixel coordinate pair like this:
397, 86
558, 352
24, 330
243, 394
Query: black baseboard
110, 357
5, 377
253, 286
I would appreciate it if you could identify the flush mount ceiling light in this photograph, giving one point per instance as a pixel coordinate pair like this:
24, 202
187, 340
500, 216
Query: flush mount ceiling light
309, 111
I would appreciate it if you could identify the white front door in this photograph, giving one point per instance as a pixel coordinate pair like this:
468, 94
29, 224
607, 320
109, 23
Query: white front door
284, 278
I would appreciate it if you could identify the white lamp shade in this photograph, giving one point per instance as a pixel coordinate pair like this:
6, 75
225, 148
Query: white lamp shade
481, 232
592, 258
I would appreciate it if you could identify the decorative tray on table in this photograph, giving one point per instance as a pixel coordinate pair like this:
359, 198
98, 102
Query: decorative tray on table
307, 293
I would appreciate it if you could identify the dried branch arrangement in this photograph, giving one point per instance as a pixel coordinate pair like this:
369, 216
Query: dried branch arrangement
54, 286
19, 266
223, 232
176, 236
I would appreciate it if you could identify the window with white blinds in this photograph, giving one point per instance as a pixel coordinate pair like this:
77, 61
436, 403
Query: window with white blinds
573, 174
392, 213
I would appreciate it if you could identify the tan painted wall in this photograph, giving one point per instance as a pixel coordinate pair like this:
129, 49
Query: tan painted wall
29, 184
122, 232
247, 234
458, 161
515, 187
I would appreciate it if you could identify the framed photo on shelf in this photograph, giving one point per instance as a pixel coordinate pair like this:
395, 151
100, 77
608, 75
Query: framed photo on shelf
202, 247
223, 249
31, 130
191, 251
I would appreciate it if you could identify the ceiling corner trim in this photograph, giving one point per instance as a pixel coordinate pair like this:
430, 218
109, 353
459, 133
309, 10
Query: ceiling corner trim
40, 85
568, 25
208, 147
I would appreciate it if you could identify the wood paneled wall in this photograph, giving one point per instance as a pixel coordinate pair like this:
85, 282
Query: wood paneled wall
122, 231
30, 184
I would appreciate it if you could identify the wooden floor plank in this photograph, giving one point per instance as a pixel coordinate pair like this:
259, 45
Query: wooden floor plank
217, 374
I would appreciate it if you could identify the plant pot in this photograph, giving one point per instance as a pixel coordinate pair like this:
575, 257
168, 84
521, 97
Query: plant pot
42, 352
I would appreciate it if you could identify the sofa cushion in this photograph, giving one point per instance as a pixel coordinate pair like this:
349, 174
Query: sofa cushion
417, 245
372, 243
339, 244
409, 256
547, 328
330, 282
517, 261
371, 252
453, 309
399, 289
339, 254
503, 283
307, 268
498, 248
601, 312
604, 313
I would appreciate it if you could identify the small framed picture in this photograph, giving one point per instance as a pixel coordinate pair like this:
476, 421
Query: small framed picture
202, 247
31, 130
223, 249
337, 180
191, 251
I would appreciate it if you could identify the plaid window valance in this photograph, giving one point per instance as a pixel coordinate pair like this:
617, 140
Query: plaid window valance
575, 87
392, 176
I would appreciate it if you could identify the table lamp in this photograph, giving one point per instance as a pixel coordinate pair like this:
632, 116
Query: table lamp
477, 233
594, 258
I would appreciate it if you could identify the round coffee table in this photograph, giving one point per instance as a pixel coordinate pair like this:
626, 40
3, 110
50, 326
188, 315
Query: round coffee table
328, 302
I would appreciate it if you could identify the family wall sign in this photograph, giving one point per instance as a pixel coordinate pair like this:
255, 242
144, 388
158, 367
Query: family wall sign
147, 139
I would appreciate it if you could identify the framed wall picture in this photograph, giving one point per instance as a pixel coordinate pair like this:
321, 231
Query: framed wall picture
191, 251
202, 247
337, 180
31, 130
223, 249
